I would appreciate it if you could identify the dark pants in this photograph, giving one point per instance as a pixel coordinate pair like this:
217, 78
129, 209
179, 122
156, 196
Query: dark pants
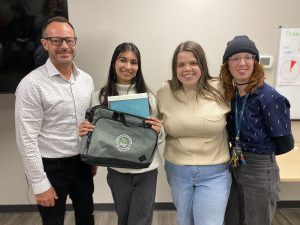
254, 191
69, 176
134, 196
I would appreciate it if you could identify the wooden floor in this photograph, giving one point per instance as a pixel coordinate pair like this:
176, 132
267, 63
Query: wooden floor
163, 217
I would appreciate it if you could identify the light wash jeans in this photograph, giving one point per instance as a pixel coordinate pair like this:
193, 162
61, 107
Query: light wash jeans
200, 193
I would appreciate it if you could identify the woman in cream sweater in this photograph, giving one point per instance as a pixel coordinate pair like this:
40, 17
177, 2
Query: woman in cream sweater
193, 110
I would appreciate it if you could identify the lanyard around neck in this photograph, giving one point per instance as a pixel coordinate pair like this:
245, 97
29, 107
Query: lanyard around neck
239, 117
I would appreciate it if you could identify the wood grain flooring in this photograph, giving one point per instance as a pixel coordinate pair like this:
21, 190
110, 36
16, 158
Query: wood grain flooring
160, 217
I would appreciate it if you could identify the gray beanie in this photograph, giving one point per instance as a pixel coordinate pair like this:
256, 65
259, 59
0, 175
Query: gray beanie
240, 44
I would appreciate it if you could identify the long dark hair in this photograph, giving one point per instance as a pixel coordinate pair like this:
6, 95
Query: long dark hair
110, 88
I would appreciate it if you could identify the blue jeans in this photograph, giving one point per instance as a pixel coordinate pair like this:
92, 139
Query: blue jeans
200, 193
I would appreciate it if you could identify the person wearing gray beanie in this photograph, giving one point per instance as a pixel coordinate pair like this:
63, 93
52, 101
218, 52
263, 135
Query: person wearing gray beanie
258, 128
240, 44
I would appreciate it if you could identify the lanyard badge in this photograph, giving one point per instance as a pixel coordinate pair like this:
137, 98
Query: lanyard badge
237, 157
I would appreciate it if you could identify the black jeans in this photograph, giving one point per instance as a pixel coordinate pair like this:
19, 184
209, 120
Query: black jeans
134, 196
69, 176
254, 191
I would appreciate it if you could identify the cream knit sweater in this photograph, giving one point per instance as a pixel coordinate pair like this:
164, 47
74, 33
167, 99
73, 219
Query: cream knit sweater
123, 90
196, 133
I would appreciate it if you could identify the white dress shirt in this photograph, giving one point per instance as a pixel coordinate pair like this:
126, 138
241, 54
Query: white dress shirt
48, 110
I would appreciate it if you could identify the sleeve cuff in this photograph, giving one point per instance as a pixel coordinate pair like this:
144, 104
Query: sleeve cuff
161, 135
41, 187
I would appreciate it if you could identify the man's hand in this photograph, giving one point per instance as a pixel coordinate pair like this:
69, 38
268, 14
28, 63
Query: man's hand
94, 170
85, 127
47, 198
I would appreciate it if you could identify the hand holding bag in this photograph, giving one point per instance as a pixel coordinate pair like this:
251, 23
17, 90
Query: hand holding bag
118, 140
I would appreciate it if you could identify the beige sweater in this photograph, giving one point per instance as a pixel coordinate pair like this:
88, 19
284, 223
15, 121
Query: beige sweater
196, 133
123, 90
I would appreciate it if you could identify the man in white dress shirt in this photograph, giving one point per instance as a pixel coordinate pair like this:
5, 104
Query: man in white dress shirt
50, 102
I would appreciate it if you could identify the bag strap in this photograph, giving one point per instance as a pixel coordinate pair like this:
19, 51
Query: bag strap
89, 114
131, 124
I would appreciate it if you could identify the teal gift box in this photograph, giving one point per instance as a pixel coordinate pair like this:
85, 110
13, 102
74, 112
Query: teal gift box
135, 104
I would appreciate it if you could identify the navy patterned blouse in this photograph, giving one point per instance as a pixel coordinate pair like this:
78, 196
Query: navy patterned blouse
266, 115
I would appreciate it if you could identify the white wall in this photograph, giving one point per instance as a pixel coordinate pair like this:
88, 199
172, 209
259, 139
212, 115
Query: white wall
156, 27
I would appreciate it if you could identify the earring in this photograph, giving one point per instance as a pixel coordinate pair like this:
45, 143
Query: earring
233, 82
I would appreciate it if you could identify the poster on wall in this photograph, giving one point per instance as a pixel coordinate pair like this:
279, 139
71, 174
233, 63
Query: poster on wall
288, 67
289, 57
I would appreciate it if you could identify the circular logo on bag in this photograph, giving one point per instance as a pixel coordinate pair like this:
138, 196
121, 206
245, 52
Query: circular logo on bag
123, 142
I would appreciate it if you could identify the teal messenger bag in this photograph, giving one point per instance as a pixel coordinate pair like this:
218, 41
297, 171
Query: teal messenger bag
118, 140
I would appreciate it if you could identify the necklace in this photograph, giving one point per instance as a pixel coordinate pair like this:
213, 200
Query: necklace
242, 83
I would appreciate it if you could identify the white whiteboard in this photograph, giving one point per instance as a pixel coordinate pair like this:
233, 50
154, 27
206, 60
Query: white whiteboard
288, 67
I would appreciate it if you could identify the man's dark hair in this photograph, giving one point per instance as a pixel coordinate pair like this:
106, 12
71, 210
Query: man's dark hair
59, 19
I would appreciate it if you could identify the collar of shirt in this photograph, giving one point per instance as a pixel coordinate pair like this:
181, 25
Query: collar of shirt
53, 71
125, 89
257, 91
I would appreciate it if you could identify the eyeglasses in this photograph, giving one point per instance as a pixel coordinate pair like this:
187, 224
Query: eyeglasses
237, 59
57, 41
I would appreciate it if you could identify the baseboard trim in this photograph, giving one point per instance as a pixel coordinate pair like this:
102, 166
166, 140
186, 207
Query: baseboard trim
97, 207
110, 206
288, 204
